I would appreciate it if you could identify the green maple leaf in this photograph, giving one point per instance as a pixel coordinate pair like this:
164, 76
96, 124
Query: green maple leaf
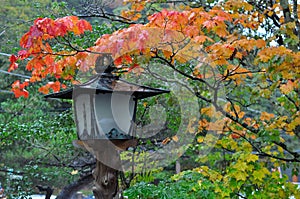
240, 166
240, 176
260, 174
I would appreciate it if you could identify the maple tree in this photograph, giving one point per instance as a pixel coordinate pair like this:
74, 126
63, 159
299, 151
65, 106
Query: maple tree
257, 116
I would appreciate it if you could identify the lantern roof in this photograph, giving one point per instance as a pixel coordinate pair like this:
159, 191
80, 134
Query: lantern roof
108, 83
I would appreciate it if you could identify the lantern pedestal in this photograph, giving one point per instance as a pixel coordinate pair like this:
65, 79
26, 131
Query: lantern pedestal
106, 179
108, 164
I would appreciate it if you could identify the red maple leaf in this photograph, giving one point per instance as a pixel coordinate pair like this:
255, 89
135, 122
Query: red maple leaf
13, 65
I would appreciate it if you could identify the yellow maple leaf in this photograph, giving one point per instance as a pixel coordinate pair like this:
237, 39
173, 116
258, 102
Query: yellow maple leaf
200, 139
293, 124
240, 166
270, 13
252, 158
266, 116
207, 111
247, 6
175, 138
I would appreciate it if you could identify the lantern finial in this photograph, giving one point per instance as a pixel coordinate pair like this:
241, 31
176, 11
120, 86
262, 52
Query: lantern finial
104, 64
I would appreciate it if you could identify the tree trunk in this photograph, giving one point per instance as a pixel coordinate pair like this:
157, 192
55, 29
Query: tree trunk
286, 11
177, 167
47, 189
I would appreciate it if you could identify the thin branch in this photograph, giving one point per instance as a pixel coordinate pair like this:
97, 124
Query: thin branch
293, 102
261, 153
5, 54
296, 19
235, 119
240, 103
15, 74
12, 172
2, 32
284, 146
109, 16
5, 91
179, 71
234, 110
163, 78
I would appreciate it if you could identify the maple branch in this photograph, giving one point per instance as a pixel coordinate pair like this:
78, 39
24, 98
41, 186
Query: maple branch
234, 109
169, 63
262, 153
51, 164
72, 54
93, 10
242, 104
263, 8
68, 43
235, 119
48, 150
214, 102
191, 3
57, 54
162, 78
78, 162
246, 72
284, 146
109, 16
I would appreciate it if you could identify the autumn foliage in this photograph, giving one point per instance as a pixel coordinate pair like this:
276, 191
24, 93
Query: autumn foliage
36, 47
198, 25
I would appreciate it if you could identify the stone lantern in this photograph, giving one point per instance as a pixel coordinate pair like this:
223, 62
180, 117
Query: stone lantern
105, 110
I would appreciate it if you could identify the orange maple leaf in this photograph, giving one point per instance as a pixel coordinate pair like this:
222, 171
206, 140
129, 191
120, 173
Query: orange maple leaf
19, 89
288, 87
